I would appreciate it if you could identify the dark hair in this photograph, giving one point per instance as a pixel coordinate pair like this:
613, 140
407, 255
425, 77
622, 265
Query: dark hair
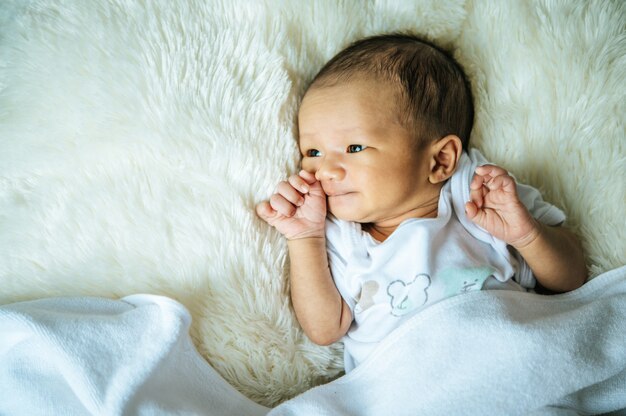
435, 95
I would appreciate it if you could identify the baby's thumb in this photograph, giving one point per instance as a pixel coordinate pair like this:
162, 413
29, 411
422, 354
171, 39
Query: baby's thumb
471, 211
264, 211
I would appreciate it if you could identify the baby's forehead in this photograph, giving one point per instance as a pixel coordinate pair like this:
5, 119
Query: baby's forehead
359, 89
357, 105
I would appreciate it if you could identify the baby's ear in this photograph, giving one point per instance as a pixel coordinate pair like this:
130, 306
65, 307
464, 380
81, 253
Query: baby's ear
446, 153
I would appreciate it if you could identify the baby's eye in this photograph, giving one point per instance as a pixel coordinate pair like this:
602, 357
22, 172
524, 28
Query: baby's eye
313, 153
355, 148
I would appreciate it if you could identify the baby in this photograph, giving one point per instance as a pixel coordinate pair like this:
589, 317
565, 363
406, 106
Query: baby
392, 212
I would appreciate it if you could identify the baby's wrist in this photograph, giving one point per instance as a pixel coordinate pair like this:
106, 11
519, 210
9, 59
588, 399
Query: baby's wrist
314, 234
530, 237
308, 245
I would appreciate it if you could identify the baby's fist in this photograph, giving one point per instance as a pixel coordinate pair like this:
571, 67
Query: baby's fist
495, 206
297, 209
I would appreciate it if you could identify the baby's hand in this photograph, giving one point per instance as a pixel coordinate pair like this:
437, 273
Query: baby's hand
496, 207
297, 209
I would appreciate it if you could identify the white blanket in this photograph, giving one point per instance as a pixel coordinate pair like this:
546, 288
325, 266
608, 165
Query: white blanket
136, 137
490, 352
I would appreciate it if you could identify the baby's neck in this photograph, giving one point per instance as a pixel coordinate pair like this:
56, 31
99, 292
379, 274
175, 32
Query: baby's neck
381, 231
379, 234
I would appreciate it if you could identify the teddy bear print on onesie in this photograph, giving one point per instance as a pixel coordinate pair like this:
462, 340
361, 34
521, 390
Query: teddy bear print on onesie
403, 296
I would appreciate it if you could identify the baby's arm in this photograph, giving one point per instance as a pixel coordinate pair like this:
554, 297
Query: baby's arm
298, 211
553, 253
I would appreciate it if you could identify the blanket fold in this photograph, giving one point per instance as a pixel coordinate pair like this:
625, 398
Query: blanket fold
493, 352
489, 352
95, 356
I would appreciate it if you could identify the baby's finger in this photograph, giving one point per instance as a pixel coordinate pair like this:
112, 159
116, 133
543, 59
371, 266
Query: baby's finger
264, 211
504, 182
287, 191
307, 176
478, 181
477, 196
475, 214
299, 183
491, 170
282, 206
471, 210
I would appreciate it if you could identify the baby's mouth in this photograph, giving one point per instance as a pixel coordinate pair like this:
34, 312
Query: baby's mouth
337, 194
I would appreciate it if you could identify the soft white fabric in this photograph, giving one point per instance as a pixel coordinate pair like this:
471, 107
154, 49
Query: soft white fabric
487, 352
424, 261
95, 356
137, 136
493, 353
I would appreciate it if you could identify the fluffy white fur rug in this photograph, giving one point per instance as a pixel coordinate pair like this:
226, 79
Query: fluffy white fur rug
136, 138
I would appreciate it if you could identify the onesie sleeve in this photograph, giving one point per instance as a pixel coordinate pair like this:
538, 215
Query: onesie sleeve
541, 210
336, 260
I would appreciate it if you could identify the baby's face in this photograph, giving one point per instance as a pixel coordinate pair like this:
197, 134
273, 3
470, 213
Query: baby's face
351, 138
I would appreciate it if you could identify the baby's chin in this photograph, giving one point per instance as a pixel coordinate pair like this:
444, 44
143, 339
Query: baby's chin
346, 207
346, 215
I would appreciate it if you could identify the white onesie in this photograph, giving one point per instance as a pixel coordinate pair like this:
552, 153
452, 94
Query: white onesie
424, 261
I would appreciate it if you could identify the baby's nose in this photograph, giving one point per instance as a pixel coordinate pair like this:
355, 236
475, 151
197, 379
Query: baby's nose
330, 170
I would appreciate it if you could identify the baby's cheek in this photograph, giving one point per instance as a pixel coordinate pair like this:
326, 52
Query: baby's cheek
309, 165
